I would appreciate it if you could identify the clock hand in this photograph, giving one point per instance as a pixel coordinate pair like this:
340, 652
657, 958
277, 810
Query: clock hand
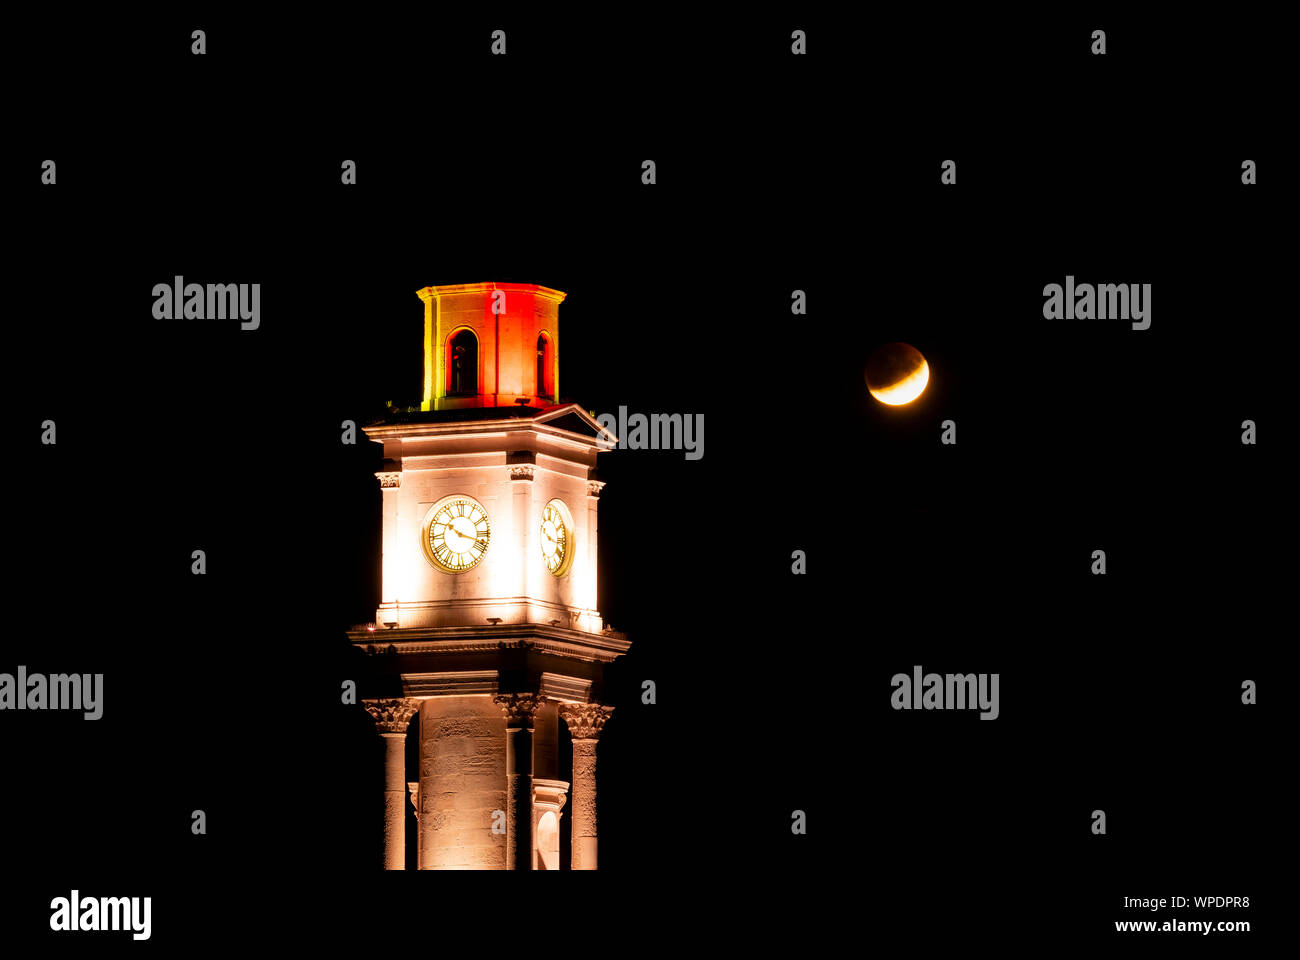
464, 536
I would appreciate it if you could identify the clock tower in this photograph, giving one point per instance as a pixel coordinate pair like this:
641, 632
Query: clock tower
487, 634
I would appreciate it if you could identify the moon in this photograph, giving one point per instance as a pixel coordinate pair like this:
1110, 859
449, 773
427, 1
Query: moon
897, 373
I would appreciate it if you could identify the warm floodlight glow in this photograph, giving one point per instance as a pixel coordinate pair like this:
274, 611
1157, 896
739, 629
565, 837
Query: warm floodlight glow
897, 374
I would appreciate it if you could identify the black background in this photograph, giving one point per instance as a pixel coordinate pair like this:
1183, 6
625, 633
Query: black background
775, 173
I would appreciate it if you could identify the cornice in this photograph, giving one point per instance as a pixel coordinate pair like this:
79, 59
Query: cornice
543, 638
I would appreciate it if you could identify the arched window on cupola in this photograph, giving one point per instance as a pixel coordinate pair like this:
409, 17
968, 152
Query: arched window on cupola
462, 364
545, 367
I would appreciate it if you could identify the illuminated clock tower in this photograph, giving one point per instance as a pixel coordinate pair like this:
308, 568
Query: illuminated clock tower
487, 629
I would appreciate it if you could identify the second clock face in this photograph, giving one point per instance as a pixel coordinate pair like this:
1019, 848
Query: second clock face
557, 538
457, 533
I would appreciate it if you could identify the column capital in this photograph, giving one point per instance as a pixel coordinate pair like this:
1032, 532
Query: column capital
585, 720
393, 714
519, 708
594, 488
550, 794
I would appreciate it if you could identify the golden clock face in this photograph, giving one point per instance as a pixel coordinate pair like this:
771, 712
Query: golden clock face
456, 532
557, 537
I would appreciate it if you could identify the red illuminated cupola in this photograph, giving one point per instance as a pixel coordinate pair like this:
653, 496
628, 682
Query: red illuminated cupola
491, 345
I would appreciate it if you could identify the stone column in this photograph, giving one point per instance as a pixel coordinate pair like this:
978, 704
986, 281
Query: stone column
521, 484
585, 722
391, 718
589, 588
390, 565
519, 709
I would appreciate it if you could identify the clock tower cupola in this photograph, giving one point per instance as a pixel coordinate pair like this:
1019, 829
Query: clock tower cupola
490, 345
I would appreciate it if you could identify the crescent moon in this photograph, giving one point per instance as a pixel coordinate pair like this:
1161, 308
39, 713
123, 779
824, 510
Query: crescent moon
905, 390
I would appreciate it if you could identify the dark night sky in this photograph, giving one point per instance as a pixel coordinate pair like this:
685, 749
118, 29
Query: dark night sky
1118, 693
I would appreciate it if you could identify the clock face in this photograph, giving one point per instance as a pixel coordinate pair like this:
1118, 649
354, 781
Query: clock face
456, 533
557, 538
